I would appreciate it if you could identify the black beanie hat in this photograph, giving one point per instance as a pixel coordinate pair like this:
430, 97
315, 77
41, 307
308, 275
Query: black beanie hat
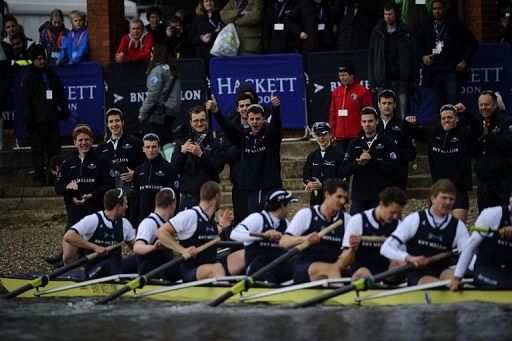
37, 50
347, 66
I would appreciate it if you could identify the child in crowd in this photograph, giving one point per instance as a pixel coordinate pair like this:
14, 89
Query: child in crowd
75, 44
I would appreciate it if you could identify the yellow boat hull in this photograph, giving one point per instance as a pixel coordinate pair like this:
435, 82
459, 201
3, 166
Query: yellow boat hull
209, 292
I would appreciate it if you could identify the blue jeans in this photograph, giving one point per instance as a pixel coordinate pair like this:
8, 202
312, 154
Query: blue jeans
446, 89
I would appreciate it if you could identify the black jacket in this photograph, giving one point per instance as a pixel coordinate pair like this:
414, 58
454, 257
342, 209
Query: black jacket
201, 25
356, 19
36, 108
406, 51
148, 179
260, 162
459, 45
193, 171
278, 41
322, 168
493, 153
232, 155
449, 153
128, 154
371, 179
406, 149
92, 176
306, 18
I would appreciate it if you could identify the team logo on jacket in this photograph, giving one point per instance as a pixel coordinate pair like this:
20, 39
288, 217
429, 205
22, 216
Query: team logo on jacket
154, 80
91, 166
353, 97
127, 146
379, 146
159, 173
396, 128
176, 184
436, 237
393, 156
112, 173
497, 129
454, 139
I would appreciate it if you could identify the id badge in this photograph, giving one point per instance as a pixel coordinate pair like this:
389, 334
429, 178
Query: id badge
342, 112
439, 47
49, 94
321, 27
279, 27
420, 2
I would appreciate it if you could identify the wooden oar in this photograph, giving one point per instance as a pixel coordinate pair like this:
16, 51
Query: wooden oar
246, 283
189, 285
313, 284
114, 278
413, 288
140, 281
484, 229
373, 239
364, 282
43, 280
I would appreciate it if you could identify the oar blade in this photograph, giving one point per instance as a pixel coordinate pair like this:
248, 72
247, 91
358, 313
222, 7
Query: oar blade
35, 283
119, 292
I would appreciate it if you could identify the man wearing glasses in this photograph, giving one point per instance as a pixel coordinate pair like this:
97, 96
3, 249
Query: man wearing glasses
197, 157
321, 164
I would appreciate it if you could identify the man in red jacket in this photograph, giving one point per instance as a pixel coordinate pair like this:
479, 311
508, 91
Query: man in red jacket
135, 46
347, 100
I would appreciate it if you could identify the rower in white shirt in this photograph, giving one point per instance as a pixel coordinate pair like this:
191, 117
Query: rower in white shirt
493, 267
271, 223
363, 258
427, 233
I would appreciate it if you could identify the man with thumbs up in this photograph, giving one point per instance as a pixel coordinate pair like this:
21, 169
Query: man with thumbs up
260, 144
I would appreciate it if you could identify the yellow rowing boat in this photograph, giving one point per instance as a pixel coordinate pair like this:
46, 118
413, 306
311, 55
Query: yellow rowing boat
205, 293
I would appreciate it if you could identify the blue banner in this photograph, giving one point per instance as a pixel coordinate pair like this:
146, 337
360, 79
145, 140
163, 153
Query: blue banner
85, 89
282, 74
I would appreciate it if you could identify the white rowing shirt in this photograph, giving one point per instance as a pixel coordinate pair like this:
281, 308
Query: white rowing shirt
253, 223
185, 222
407, 229
88, 224
147, 229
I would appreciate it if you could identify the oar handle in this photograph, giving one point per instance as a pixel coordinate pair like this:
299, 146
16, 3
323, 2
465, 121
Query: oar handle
305, 244
441, 256
207, 245
108, 248
373, 239
483, 229
258, 235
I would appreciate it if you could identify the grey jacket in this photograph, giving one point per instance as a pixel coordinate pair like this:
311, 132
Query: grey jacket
158, 82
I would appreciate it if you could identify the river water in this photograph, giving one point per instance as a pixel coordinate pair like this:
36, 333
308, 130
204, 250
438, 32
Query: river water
80, 319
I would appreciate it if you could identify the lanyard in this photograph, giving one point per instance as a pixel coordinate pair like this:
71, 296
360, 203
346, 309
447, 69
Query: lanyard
369, 143
75, 45
344, 96
438, 32
45, 80
55, 43
210, 20
279, 11
434, 220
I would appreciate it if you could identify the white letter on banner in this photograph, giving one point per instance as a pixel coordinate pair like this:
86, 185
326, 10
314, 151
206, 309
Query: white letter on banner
227, 85
259, 85
271, 84
71, 93
133, 97
292, 80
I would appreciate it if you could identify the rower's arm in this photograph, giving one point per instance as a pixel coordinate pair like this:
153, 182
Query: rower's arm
72, 237
166, 234
346, 259
288, 241
141, 248
465, 257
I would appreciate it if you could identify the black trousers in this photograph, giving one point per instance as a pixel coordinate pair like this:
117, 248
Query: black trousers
46, 137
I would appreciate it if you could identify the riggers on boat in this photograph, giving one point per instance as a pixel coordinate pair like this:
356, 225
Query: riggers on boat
209, 289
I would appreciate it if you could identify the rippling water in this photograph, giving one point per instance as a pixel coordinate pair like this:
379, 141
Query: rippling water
78, 319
